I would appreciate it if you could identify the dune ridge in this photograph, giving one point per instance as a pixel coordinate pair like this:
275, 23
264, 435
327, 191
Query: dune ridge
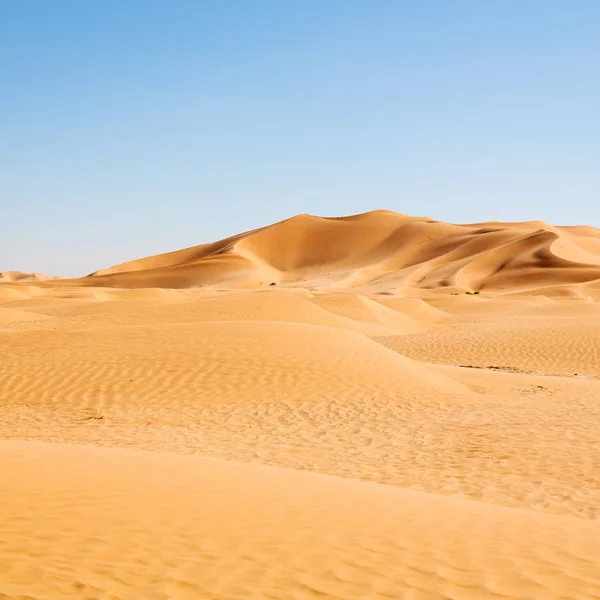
18, 276
377, 251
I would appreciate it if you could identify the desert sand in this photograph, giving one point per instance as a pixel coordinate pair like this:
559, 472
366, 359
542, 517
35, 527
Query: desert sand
376, 406
15, 276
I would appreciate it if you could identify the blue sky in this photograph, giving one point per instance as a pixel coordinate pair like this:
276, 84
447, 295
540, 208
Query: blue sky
132, 127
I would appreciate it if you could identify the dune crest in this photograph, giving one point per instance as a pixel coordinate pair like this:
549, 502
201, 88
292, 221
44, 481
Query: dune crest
379, 251
15, 276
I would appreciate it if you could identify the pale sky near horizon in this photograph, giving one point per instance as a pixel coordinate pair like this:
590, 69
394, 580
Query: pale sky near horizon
133, 127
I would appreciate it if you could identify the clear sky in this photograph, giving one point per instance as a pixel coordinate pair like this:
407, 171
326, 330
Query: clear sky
132, 127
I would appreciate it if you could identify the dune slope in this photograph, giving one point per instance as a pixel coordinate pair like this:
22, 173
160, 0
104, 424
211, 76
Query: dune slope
18, 276
124, 524
336, 383
378, 251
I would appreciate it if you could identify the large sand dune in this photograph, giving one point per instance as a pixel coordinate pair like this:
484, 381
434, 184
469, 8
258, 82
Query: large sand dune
378, 251
176, 427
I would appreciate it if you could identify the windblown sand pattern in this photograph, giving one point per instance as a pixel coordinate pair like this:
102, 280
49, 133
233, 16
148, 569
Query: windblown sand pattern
178, 427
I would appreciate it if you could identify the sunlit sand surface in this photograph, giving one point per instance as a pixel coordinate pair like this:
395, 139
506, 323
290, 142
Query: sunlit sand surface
179, 427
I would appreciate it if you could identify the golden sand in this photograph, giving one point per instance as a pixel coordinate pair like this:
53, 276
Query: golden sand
177, 427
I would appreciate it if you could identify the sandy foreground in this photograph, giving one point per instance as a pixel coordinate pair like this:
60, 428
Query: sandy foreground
178, 427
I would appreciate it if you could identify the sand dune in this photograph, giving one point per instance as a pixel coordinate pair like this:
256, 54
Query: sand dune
125, 524
361, 429
14, 276
326, 382
376, 252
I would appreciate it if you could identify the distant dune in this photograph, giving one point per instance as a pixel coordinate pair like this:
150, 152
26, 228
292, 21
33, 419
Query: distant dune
379, 251
15, 276
375, 252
